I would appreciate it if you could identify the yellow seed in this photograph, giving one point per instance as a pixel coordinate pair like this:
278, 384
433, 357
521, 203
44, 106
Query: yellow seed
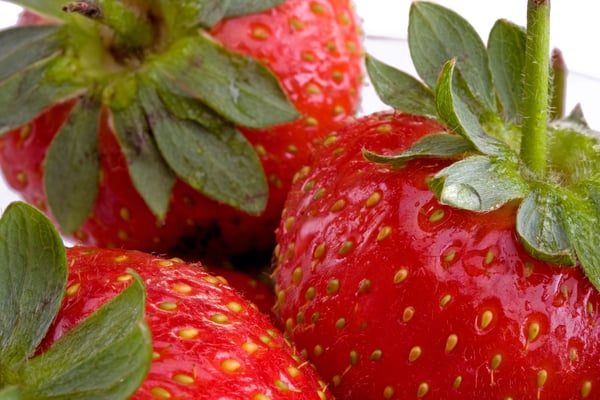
297, 275
542, 376
496, 361
235, 307
311, 292
315, 317
364, 286
165, 263
307, 56
586, 389
188, 333
319, 193
319, 251
533, 331
422, 390
185, 379
281, 385
155, 356
384, 233
261, 396
336, 380
167, 306
250, 347
353, 357
376, 355
437, 215
400, 275
318, 350
317, 8
124, 278
451, 342
313, 89
213, 280
121, 258
384, 128
333, 286
347, 246
293, 372
489, 257
415, 353
289, 223
450, 256
182, 288
160, 393
338, 205
408, 314
125, 214
486, 319
230, 365
330, 140
388, 392
340, 323
373, 200
123, 235
457, 382
73, 289
445, 300
260, 33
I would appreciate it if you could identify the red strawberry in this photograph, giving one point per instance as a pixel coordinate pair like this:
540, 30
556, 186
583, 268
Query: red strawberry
207, 341
154, 193
404, 275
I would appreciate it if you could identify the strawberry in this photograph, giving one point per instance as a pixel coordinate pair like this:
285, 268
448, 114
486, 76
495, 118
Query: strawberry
430, 252
275, 78
79, 324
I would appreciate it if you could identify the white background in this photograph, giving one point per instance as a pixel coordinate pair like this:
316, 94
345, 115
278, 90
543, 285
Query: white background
575, 30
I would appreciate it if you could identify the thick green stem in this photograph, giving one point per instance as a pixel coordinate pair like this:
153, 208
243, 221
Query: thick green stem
131, 27
536, 89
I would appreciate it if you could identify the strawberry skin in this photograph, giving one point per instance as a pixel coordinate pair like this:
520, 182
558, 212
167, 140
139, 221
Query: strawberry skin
208, 341
393, 295
313, 48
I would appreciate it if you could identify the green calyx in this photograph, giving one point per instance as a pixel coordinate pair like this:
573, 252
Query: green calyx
507, 131
86, 363
174, 97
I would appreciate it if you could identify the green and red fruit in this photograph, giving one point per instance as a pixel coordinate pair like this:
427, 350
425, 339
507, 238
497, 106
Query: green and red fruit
164, 127
429, 253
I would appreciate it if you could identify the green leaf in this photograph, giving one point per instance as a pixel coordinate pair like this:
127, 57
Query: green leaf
72, 167
582, 220
506, 51
151, 175
238, 8
541, 229
237, 87
11, 393
27, 93
399, 90
479, 183
107, 356
220, 163
33, 278
438, 145
204, 13
24, 45
437, 35
458, 116
50, 8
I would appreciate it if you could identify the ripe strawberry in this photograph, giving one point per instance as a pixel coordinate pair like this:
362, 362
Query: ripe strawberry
418, 261
197, 338
139, 188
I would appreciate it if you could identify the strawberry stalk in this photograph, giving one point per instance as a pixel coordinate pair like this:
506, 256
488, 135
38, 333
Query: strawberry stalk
536, 89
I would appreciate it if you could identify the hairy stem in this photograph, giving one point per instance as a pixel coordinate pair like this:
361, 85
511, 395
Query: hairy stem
536, 90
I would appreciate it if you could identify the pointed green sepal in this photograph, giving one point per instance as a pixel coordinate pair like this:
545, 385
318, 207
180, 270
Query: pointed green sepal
25, 45
430, 32
457, 114
506, 51
191, 150
438, 145
107, 356
151, 175
400, 90
33, 278
27, 93
479, 183
541, 229
72, 167
238, 8
237, 87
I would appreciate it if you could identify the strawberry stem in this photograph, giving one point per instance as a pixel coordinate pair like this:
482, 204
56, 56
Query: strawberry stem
536, 86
